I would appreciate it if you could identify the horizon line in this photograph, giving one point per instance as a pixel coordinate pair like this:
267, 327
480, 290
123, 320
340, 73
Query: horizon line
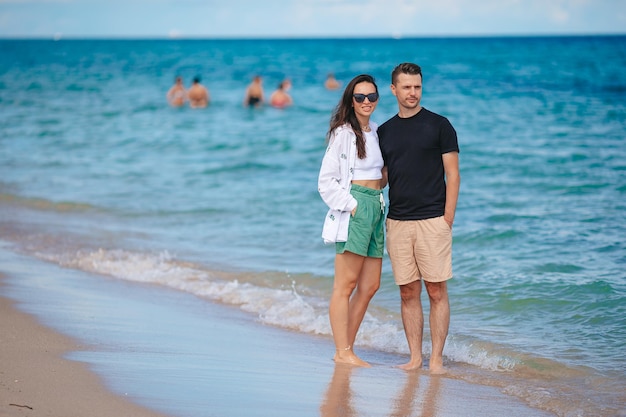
60, 36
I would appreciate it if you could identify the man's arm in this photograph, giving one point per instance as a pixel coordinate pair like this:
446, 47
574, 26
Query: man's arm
453, 184
385, 180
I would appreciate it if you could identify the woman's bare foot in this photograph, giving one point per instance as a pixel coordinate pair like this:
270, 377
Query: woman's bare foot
347, 356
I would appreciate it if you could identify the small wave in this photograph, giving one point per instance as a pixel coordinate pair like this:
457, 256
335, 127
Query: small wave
34, 86
615, 88
295, 307
147, 108
276, 306
508, 218
488, 236
240, 167
480, 354
42, 204
74, 87
553, 267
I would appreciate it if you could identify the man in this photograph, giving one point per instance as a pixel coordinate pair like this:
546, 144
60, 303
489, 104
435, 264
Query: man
198, 94
421, 155
254, 93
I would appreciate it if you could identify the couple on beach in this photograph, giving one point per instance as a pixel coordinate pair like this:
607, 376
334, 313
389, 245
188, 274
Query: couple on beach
416, 153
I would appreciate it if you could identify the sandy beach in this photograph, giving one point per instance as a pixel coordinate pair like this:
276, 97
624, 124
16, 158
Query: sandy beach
35, 379
189, 357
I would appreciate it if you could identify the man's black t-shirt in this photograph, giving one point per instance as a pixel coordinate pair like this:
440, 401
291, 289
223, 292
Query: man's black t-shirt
412, 149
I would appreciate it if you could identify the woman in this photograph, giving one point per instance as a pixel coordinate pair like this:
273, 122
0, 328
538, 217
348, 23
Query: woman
177, 95
350, 183
280, 98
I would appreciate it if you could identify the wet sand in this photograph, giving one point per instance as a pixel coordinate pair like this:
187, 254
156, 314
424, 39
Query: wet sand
35, 379
112, 348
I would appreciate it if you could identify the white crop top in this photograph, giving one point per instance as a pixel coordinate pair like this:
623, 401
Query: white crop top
369, 168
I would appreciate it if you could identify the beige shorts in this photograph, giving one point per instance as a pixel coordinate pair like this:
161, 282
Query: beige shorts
420, 249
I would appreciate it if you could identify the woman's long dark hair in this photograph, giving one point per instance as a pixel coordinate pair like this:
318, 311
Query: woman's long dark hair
344, 112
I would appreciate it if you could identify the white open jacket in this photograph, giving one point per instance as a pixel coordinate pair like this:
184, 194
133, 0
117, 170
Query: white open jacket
335, 180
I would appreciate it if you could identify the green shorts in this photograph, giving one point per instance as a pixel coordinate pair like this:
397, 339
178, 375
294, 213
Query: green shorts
366, 228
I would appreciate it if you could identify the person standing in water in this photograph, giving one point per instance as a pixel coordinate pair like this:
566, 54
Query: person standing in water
281, 98
331, 82
254, 93
350, 182
421, 155
177, 95
198, 94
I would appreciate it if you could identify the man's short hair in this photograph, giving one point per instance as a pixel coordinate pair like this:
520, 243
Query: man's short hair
405, 68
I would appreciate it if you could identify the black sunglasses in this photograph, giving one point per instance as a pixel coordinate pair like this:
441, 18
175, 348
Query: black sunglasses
360, 98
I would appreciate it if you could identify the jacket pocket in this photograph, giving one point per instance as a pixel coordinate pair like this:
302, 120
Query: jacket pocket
336, 226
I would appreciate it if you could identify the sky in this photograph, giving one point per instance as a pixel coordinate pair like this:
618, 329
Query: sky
307, 18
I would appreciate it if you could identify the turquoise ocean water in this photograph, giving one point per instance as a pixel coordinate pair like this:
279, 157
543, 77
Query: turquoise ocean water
97, 173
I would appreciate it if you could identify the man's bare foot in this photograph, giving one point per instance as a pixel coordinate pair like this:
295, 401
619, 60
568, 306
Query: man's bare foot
412, 365
436, 367
347, 356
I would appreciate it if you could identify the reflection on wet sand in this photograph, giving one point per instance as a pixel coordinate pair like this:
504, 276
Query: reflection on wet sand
407, 400
341, 401
338, 400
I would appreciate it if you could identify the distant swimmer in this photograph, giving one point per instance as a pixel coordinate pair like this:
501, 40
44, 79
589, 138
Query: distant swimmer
254, 93
177, 95
198, 94
331, 82
280, 98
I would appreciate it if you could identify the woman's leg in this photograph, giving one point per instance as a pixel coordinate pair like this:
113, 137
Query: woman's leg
347, 271
367, 285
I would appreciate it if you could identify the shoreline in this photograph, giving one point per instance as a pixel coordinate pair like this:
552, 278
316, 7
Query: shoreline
75, 344
36, 379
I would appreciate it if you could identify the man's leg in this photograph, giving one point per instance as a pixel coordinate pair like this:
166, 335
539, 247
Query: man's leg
439, 323
413, 321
